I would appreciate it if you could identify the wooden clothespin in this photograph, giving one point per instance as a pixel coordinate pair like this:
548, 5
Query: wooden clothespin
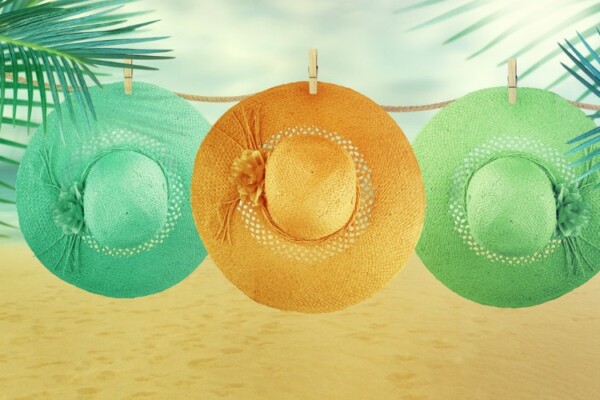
128, 77
313, 71
512, 80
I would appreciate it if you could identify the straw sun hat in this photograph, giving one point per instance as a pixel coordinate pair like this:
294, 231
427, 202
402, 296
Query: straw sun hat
107, 209
309, 203
507, 222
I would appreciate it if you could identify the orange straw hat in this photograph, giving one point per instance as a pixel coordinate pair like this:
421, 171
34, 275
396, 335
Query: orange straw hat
308, 203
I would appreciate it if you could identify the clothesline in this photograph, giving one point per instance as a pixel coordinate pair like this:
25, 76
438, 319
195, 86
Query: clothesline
388, 108
232, 99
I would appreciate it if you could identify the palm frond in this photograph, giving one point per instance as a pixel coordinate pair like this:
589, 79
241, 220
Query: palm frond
6, 185
449, 14
50, 50
12, 143
418, 5
7, 190
589, 77
3, 200
8, 160
516, 25
7, 224
63, 43
18, 122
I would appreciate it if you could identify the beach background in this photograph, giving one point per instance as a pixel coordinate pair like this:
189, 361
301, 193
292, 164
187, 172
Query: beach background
203, 339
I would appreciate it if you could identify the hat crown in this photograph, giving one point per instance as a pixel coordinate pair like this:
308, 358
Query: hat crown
310, 187
126, 198
511, 208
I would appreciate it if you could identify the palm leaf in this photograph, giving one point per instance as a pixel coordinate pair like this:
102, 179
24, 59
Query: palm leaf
6, 201
8, 160
7, 224
515, 26
64, 42
18, 122
450, 14
418, 5
11, 143
589, 77
6, 185
49, 49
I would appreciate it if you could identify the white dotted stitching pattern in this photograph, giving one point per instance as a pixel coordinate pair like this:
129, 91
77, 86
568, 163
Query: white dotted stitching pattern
473, 161
314, 252
154, 148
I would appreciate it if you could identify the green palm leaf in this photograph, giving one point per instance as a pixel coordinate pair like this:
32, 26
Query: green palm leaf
7, 224
50, 50
6, 185
63, 42
497, 12
7, 190
588, 74
7, 142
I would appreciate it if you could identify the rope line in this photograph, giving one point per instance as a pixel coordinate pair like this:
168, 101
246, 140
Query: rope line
233, 99
416, 108
212, 99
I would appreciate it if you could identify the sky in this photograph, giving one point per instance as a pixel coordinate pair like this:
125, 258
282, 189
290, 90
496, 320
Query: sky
233, 47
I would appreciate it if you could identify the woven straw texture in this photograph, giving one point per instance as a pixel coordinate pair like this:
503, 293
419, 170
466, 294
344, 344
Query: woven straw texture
139, 153
536, 128
335, 273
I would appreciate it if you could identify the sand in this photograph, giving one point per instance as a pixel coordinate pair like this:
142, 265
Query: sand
203, 339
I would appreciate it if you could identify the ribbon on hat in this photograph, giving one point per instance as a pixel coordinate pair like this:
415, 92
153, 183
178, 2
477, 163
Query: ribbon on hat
248, 175
572, 212
68, 215
67, 212
572, 215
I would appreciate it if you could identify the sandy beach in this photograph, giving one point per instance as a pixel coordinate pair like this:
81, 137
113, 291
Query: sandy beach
203, 339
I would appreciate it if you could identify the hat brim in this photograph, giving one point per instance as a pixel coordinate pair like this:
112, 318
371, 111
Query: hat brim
441, 148
346, 277
154, 115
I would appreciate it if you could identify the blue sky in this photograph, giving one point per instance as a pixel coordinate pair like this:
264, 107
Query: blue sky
231, 47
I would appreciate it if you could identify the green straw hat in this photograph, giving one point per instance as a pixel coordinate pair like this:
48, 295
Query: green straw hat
107, 208
507, 222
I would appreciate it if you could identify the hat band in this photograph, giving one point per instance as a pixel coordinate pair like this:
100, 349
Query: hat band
322, 239
68, 215
514, 154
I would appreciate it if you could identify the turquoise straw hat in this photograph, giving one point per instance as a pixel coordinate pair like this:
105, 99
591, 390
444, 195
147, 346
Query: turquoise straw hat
507, 223
107, 208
